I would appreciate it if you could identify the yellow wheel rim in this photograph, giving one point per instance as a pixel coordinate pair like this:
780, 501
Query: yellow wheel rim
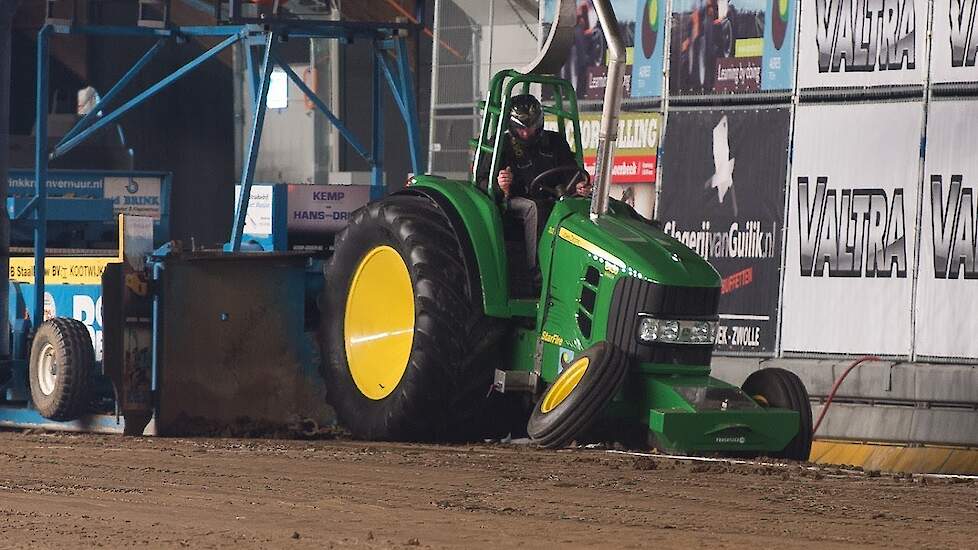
379, 322
760, 400
564, 385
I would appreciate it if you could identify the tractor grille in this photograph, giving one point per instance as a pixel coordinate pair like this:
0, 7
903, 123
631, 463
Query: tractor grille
633, 296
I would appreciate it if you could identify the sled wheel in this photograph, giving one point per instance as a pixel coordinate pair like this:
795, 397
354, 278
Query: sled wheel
576, 397
61, 367
783, 389
405, 343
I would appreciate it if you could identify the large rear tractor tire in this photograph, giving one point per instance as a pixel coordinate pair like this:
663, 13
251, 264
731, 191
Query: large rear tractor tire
783, 389
61, 369
406, 344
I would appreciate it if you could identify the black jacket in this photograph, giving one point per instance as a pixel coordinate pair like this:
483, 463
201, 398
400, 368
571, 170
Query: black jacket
529, 161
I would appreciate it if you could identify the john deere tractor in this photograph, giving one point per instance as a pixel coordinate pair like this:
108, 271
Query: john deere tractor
428, 340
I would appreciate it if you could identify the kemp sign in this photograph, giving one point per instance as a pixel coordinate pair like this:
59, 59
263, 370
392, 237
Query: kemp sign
862, 43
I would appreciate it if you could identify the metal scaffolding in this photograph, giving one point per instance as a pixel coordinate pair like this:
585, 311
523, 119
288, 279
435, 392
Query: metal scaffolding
261, 37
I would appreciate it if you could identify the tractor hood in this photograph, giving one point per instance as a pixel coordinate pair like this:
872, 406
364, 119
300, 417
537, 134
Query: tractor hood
635, 246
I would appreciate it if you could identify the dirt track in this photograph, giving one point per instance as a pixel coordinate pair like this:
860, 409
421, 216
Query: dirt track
73, 491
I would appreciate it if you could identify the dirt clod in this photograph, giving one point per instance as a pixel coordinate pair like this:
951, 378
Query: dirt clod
645, 463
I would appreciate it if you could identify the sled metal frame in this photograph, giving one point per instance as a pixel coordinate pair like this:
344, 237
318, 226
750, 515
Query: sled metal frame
387, 39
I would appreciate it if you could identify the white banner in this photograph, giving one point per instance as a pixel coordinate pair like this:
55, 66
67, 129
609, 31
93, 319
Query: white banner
954, 43
862, 43
947, 289
258, 218
323, 208
852, 211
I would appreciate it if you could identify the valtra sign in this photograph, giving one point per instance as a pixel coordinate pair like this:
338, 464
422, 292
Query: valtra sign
852, 229
865, 35
850, 232
862, 43
947, 277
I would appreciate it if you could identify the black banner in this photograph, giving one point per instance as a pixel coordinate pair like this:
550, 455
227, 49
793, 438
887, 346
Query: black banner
723, 185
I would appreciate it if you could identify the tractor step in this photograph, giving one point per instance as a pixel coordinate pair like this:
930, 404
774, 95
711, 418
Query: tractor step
512, 381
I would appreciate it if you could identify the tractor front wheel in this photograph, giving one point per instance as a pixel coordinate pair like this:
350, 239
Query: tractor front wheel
783, 389
405, 344
578, 395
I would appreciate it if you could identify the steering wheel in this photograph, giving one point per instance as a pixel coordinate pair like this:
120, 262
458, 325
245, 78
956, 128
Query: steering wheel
568, 189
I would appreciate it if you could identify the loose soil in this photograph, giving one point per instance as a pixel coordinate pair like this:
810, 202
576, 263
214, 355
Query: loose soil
81, 490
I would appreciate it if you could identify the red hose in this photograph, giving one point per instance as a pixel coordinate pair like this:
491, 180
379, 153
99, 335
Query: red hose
835, 387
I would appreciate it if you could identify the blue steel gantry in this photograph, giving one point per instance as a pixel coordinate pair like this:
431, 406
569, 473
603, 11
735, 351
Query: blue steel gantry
387, 39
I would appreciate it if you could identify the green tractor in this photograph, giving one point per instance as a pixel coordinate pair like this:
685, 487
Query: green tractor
426, 338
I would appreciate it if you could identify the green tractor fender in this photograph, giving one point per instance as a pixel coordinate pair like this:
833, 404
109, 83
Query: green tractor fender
477, 222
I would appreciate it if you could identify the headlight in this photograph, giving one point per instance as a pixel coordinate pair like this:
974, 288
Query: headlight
648, 329
669, 330
675, 331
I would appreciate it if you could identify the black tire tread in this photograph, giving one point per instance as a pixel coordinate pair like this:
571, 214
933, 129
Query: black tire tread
452, 335
610, 377
795, 398
73, 347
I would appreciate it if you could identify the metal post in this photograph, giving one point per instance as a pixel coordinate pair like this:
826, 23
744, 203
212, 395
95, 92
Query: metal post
40, 174
257, 121
238, 86
608, 133
664, 109
250, 74
433, 100
492, 35
7, 9
476, 65
921, 181
377, 167
419, 16
335, 61
410, 111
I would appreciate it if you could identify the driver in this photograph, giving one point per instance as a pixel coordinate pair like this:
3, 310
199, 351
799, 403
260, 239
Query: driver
527, 151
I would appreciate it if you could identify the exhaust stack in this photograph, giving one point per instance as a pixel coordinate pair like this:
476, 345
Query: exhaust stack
608, 133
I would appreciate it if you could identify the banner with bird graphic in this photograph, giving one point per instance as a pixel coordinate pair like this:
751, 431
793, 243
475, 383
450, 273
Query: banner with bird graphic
722, 194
